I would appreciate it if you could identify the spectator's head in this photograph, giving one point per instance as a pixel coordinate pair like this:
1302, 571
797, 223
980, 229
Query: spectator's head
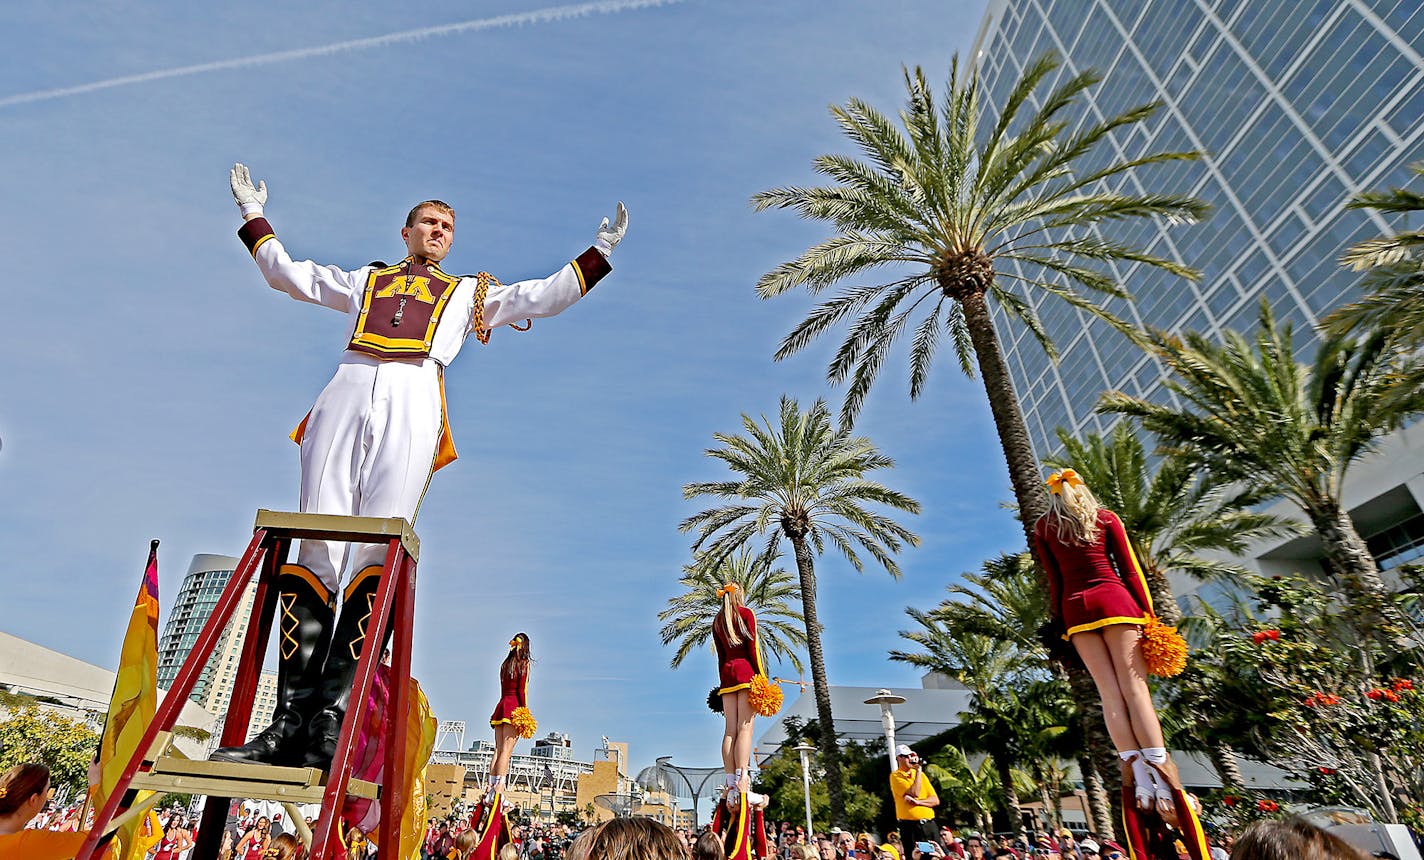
802, 851
708, 847
826, 848
905, 757
974, 846
464, 843
1110, 850
24, 790
285, 847
635, 839
508, 852
887, 852
1293, 838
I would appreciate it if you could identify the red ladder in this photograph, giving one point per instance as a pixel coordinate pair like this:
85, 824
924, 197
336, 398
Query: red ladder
394, 605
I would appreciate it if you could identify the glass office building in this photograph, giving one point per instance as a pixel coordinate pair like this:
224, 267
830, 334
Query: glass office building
204, 582
1297, 105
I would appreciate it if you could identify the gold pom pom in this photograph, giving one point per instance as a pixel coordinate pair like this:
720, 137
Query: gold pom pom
764, 696
524, 722
1163, 649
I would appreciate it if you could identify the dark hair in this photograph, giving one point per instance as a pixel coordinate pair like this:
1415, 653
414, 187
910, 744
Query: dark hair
433, 204
287, 846
636, 839
1292, 838
516, 662
19, 784
708, 847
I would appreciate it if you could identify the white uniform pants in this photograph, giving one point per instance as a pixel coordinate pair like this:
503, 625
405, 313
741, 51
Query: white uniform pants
367, 451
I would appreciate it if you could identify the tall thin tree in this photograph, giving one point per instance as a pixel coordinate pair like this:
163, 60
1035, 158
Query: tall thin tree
804, 480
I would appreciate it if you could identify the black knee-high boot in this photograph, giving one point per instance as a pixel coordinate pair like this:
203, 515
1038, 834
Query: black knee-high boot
304, 627
357, 605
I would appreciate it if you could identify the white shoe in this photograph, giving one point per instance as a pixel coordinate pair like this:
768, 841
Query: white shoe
754, 799
733, 793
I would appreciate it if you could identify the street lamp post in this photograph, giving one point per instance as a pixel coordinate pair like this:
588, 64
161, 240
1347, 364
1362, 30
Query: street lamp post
805, 749
885, 699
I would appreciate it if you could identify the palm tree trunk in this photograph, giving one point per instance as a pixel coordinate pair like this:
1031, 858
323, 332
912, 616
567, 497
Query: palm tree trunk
1163, 600
1223, 761
1050, 814
1351, 558
1006, 784
1099, 810
1104, 798
830, 752
1004, 405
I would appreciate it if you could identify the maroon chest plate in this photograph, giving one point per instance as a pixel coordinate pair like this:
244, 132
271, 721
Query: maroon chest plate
400, 309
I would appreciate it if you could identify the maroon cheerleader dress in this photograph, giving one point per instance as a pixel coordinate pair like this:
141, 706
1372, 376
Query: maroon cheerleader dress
737, 664
1094, 585
512, 694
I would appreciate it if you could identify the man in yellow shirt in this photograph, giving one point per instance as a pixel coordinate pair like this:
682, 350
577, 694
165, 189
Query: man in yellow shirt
915, 800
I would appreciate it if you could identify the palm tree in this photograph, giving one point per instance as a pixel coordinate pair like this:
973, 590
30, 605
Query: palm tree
803, 480
994, 670
770, 592
942, 207
1394, 267
966, 786
1005, 603
1251, 413
1171, 511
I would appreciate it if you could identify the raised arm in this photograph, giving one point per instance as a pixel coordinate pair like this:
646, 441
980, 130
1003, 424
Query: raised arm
303, 280
545, 297
1119, 548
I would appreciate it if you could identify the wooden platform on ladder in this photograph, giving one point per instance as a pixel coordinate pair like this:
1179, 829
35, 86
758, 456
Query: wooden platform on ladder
155, 767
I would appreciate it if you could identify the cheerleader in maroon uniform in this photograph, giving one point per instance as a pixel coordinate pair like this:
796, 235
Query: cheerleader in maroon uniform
1098, 593
738, 660
511, 718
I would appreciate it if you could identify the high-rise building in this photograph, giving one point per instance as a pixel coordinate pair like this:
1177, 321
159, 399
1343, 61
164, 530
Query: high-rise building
204, 582
1296, 105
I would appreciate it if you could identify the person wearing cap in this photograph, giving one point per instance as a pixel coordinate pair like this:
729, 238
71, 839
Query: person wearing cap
915, 799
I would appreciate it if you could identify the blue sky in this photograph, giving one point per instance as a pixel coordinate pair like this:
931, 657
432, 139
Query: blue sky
150, 376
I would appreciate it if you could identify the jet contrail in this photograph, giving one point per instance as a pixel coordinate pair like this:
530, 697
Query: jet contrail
539, 16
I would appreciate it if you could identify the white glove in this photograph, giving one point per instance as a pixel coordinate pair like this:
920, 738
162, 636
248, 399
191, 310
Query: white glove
249, 198
609, 237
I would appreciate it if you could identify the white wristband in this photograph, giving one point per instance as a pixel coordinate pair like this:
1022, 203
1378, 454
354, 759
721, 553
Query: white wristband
250, 209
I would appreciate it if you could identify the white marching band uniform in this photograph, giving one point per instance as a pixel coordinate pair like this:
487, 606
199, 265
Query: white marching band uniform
378, 429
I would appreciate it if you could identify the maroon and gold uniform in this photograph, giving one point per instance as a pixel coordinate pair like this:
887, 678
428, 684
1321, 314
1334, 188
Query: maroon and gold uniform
737, 664
1093, 585
513, 693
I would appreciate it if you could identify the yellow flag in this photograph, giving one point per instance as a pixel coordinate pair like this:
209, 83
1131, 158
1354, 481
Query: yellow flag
135, 696
419, 742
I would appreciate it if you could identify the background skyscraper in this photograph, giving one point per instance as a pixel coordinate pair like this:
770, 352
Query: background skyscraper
204, 582
1296, 105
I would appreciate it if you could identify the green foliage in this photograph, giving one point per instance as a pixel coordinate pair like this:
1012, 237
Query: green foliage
800, 477
866, 770
1250, 413
944, 198
984, 636
30, 733
1297, 686
771, 593
1394, 272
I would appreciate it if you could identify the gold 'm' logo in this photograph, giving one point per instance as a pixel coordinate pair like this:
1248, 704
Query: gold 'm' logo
417, 288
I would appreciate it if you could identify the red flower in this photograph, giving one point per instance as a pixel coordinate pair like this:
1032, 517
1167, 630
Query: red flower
1267, 805
1311, 701
1391, 695
1262, 635
1375, 694
1273, 635
1328, 699
1327, 771
1229, 800
1401, 684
